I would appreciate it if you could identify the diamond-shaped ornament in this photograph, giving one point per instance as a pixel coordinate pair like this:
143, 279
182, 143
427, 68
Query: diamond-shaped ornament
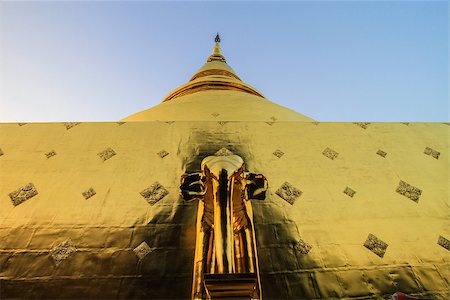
375, 245
106, 154
142, 250
69, 125
278, 153
63, 251
381, 153
349, 192
302, 247
163, 153
89, 193
288, 192
50, 154
330, 153
154, 193
363, 125
23, 194
408, 191
442, 241
431, 152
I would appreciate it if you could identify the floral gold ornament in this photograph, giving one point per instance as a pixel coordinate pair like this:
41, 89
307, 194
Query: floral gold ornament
69, 125
50, 154
363, 125
278, 153
106, 154
23, 194
408, 191
154, 193
63, 251
142, 250
288, 192
302, 247
330, 153
381, 153
163, 153
445, 243
431, 152
349, 192
89, 193
376, 245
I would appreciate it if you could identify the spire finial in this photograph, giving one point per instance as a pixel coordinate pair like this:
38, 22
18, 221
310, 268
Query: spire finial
217, 39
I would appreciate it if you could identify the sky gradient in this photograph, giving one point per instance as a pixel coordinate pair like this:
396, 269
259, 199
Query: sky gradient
332, 61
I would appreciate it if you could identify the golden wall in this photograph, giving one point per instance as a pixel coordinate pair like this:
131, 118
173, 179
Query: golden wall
353, 210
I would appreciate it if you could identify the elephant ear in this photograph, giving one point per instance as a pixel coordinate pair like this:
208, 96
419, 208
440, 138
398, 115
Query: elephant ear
192, 187
256, 186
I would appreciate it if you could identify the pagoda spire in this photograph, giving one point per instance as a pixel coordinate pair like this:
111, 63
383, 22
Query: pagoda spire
216, 54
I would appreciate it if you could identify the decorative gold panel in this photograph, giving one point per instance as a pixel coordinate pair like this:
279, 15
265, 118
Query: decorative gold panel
432, 152
63, 251
154, 193
408, 191
375, 245
442, 241
288, 192
381, 153
142, 250
89, 193
163, 153
278, 153
69, 125
107, 154
50, 154
363, 125
330, 153
23, 194
302, 247
349, 192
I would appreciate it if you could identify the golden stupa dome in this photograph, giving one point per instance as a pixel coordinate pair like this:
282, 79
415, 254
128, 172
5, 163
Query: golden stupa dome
215, 92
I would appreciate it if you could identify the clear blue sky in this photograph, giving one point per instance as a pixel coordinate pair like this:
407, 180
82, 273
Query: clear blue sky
332, 61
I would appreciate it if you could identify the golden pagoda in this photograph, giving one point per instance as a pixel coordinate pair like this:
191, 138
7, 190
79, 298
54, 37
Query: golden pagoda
218, 192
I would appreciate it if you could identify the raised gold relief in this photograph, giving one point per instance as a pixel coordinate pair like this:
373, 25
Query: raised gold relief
142, 250
363, 125
226, 261
163, 153
288, 192
23, 194
442, 241
408, 191
381, 153
50, 154
375, 245
431, 152
69, 125
154, 193
107, 154
330, 153
89, 193
349, 192
63, 251
278, 153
